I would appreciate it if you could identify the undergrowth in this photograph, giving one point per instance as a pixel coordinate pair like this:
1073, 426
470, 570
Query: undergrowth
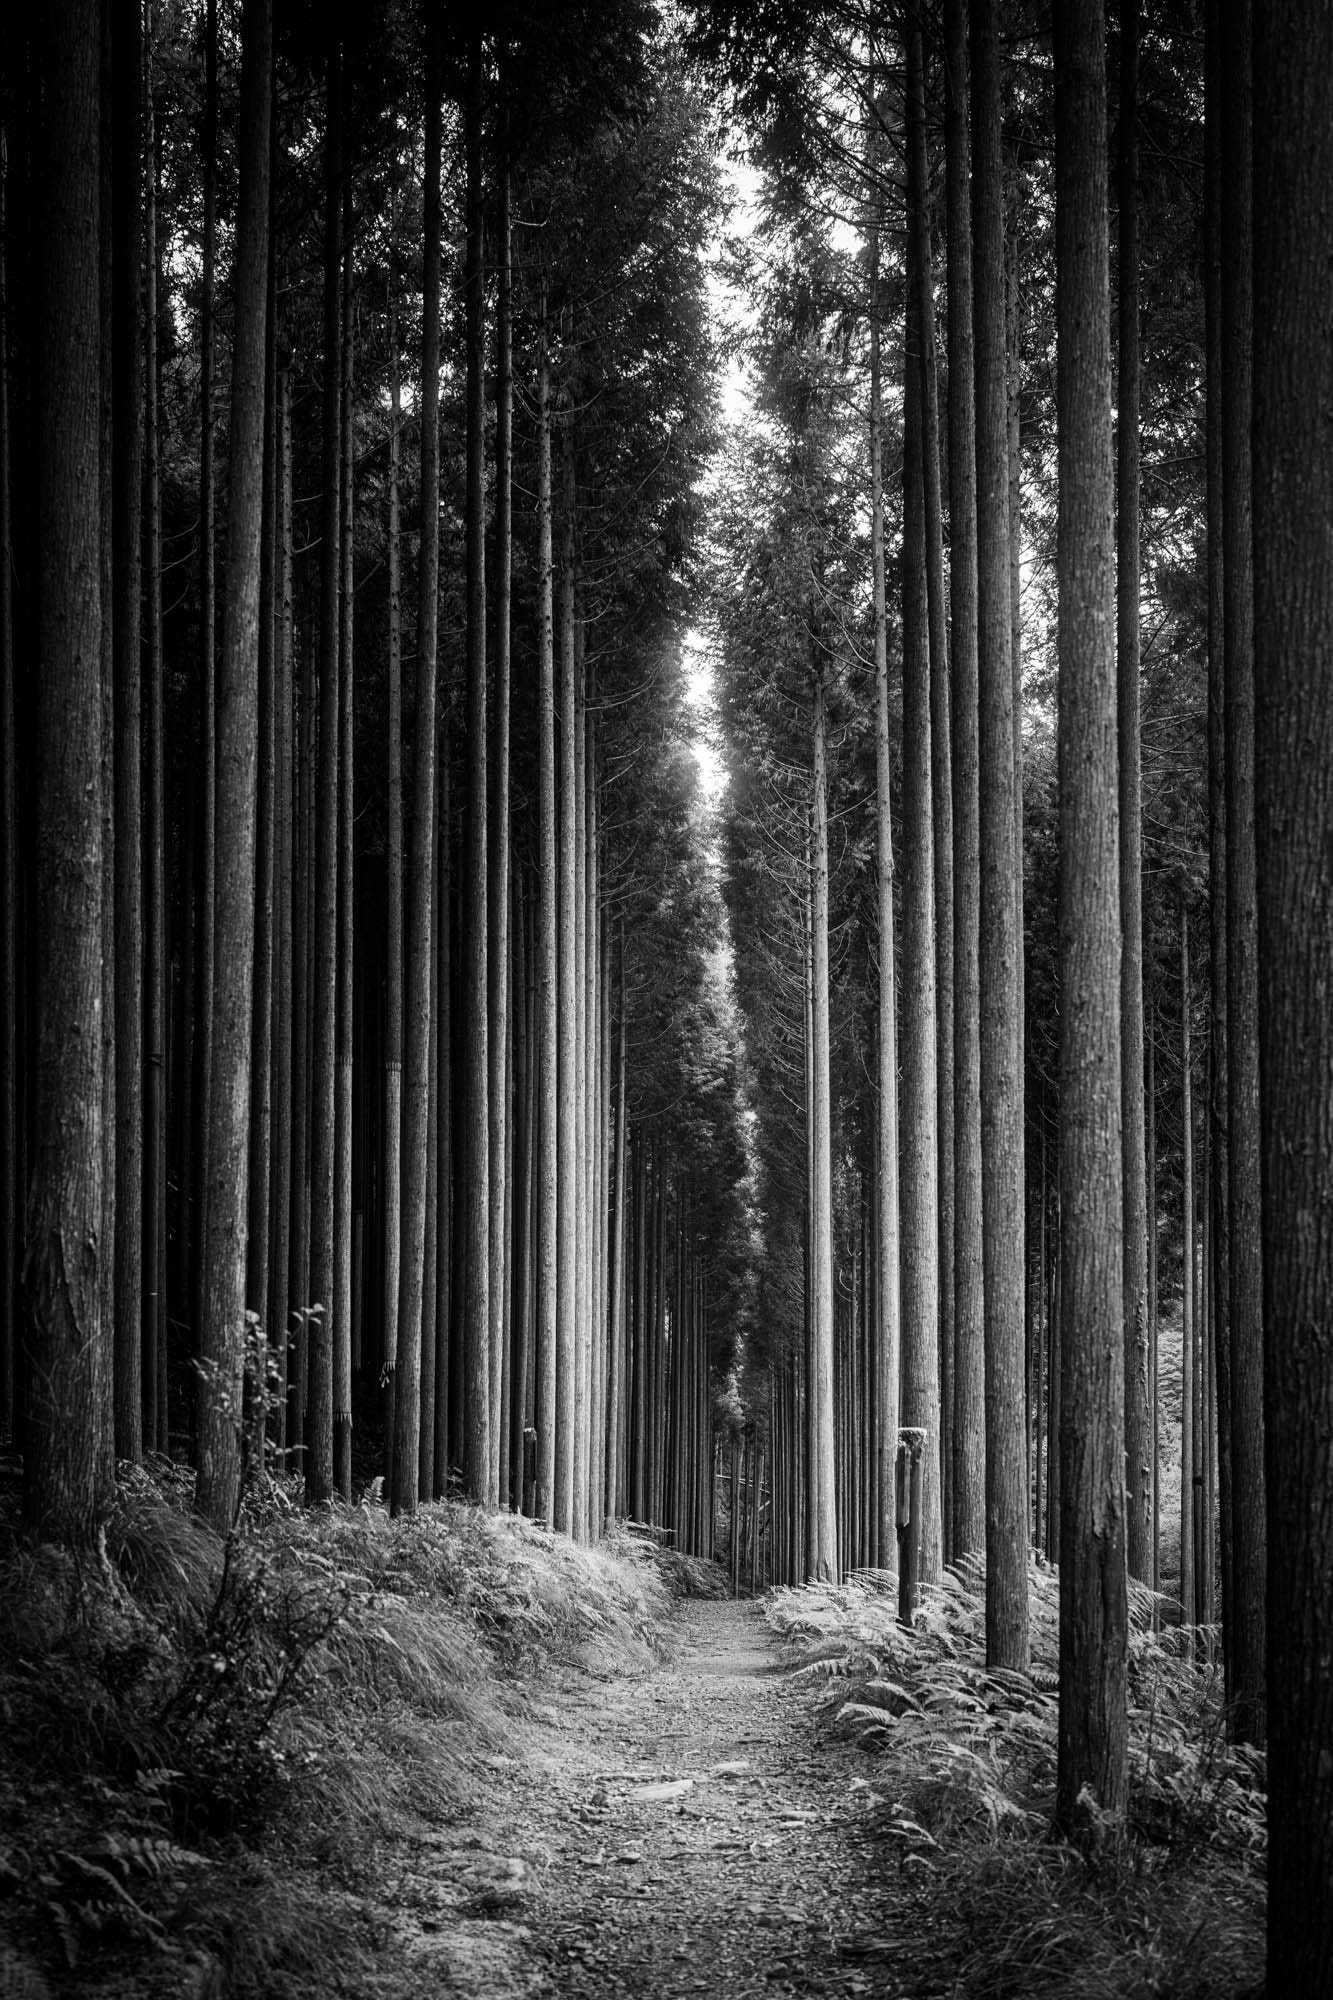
1170, 1903
203, 1736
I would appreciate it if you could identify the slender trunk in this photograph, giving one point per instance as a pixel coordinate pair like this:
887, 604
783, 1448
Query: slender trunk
324, 966
260, 1167
616, 1261
155, 911
567, 1331
1138, 1469
393, 920
475, 1164
888, 1327
1246, 1628
407, 1400
9, 872
941, 777
919, 1161
280, 1257
67, 1361
222, 1344
126, 530
1187, 1289
822, 1471
1293, 493
1001, 915
969, 1437
500, 966
547, 968
1094, 1620
1220, 1067
206, 804
342, 1185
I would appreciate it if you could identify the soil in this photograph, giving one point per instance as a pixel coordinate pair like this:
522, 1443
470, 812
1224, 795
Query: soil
678, 1832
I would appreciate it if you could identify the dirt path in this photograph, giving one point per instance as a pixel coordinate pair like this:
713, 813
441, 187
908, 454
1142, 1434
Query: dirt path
678, 1833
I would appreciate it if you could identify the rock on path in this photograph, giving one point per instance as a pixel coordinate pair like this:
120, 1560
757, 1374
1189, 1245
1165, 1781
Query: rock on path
681, 1833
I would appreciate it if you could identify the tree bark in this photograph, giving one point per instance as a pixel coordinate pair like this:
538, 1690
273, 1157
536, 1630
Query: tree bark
475, 1165
67, 1369
126, 533
548, 997
342, 1150
1138, 1465
919, 1155
9, 870
1092, 1753
222, 1345
407, 1399
888, 1330
1246, 1621
1293, 495
567, 1329
499, 962
941, 777
1001, 913
823, 1474
969, 1435
393, 920
324, 964
155, 913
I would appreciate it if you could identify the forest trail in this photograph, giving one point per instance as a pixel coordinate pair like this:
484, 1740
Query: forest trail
680, 1832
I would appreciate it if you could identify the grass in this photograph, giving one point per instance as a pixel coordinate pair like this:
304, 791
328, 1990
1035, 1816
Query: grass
211, 1746
1170, 1903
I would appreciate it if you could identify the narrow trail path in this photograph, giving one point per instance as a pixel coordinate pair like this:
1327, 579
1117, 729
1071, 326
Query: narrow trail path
686, 1834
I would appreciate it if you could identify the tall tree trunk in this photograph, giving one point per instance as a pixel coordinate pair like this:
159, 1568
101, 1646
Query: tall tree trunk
67, 1371
281, 1178
475, 1165
1219, 1070
567, 1328
1246, 1624
1001, 914
222, 1345
260, 1166
499, 964
393, 921
969, 1436
941, 778
615, 1391
1094, 1618
127, 483
416, 1063
9, 870
1138, 1467
888, 1332
1293, 490
342, 1152
823, 1478
1188, 1387
324, 965
155, 911
919, 1156
548, 997
206, 806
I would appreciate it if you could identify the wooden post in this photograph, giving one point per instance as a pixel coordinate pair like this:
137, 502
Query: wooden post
908, 1491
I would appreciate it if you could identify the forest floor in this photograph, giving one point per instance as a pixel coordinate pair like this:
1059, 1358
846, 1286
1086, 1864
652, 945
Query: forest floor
344, 1757
678, 1831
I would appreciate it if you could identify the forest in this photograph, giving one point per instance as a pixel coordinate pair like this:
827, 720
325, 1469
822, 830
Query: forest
666, 983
